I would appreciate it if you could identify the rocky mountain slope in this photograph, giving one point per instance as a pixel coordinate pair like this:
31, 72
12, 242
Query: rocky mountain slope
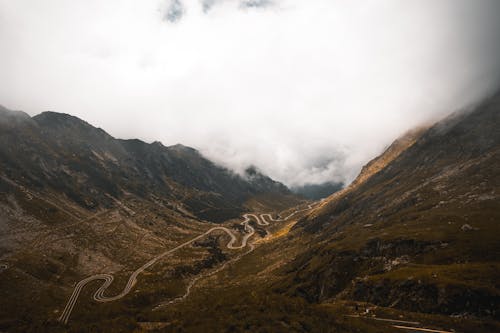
63, 154
75, 202
418, 230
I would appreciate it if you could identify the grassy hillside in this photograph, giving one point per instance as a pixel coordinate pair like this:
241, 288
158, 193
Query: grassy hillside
421, 233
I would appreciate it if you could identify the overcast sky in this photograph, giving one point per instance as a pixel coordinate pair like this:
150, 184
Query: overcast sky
306, 90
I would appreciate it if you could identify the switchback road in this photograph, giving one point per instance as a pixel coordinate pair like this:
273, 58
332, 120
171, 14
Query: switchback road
108, 278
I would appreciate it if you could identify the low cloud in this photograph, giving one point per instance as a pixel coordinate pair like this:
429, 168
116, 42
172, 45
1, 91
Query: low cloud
173, 11
307, 91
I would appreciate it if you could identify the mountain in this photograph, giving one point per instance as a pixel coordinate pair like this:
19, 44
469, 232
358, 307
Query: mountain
412, 242
61, 153
371, 168
418, 229
411, 245
75, 202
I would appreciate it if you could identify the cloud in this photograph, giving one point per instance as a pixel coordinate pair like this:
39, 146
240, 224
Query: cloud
308, 91
174, 11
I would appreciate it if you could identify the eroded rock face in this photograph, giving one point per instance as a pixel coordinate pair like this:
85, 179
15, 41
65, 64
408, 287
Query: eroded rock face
318, 283
425, 296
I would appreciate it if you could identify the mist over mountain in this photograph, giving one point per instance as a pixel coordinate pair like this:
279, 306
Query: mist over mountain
426, 208
412, 242
233, 166
62, 153
308, 91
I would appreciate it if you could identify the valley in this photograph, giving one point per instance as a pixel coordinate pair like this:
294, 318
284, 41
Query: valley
100, 234
249, 232
250, 166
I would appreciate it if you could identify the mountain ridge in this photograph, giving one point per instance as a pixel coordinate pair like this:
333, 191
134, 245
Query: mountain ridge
429, 212
60, 144
412, 241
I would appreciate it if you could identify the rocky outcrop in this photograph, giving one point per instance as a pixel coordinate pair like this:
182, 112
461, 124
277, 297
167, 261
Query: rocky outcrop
419, 295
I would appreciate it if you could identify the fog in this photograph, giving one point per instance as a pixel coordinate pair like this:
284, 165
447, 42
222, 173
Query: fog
307, 91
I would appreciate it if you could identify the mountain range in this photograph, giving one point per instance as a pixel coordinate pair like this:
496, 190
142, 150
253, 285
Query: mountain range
63, 154
411, 245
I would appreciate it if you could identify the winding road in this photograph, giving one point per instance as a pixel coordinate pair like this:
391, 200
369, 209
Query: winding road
108, 278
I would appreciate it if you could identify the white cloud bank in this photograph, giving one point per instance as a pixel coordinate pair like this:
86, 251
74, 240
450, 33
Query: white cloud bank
307, 91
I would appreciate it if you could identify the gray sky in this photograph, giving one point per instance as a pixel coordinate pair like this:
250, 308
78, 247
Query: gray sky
308, 91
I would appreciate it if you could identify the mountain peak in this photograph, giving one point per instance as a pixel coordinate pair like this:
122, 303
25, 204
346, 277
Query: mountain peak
70, 127
251, 171
181, 148
55, 119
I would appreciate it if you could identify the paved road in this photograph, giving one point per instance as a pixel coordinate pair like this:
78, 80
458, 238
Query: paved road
108, 278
